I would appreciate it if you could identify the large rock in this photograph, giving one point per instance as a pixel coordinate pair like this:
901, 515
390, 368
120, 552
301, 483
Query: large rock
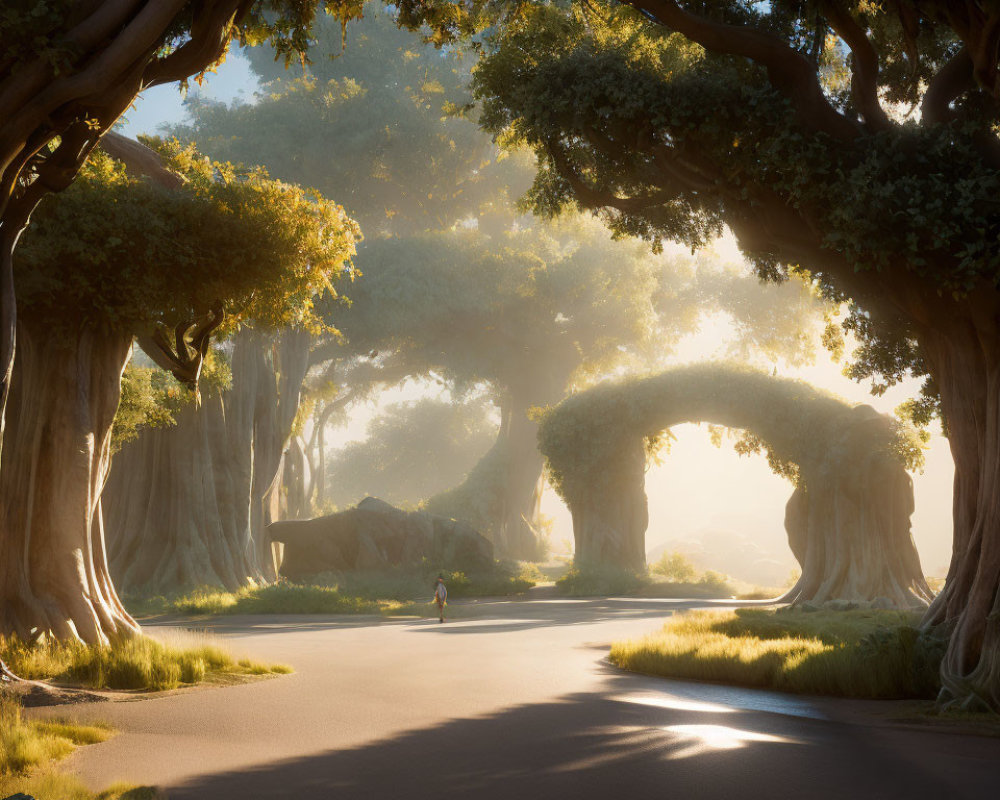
375, 534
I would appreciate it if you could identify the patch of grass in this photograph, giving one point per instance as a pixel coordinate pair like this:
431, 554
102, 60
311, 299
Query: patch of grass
675, 567
712, 585
389, 592
863, 653
28, 748
141, 662
601, 581
56, 786
28, 743
554, 570
604, 581
761, 593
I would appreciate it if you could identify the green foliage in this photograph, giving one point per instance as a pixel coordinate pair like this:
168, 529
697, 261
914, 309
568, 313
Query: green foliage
601, 581
372, 124
861, 653
136, 663
131, 255
794, 422
670, 141
38, 29
389, 591
497, 292
143, 404
675, 567
151, 397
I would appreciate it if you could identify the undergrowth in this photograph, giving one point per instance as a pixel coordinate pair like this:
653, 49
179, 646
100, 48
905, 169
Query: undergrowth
862, 653
141, 662
597, 581
389, 592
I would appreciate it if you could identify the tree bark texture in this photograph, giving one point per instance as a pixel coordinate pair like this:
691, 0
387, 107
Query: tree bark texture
848, 521
188, 506
54, 578
848, 524
610, 520
963, 356
501, 495
296, 482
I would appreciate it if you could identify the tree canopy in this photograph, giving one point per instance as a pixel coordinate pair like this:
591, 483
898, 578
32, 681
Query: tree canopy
850, 140
853, 140
143, 255
371, 120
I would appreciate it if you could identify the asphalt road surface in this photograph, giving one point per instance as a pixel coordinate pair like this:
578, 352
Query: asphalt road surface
512, 700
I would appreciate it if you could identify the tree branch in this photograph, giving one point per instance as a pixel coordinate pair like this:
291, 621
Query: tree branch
210, 37
789, 72
864, 65
139, 160
953, 79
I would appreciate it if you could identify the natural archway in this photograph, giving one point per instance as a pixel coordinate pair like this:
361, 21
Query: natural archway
848, 520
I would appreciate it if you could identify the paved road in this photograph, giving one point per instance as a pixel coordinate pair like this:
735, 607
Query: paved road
512, 701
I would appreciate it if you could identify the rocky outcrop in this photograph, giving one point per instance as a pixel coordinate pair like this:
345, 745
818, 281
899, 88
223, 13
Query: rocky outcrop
375, 534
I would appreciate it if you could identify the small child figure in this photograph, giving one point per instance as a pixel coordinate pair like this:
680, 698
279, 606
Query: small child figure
440, 597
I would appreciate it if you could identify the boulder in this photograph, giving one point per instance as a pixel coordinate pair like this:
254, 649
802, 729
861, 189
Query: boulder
374, 535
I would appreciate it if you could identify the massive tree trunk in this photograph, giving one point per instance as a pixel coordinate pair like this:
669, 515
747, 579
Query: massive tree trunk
848, 525
54, 577
502, 493
188, 506
963, 355
610, 520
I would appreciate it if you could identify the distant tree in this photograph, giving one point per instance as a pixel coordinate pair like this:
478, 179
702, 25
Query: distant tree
795, 124
206, 480
203, 248
532, 312
370, 122
459, 285
412, 451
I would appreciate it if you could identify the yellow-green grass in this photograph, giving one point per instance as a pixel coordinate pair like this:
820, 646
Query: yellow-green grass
599, 581
862, 653
49, 785
386, 592
141, 662
25, 744
28, 748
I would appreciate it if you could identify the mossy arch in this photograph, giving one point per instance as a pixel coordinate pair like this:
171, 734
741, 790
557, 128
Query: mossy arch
848, 519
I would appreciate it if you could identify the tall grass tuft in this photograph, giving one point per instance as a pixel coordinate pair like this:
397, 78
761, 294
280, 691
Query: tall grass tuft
25, 744
28, 748
141, 662
862, 653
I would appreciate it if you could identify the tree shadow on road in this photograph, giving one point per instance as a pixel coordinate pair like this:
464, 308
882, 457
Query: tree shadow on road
617, 746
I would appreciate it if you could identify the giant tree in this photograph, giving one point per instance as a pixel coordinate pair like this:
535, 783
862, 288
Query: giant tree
854, 140
70, 68
113, 257
204, 481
